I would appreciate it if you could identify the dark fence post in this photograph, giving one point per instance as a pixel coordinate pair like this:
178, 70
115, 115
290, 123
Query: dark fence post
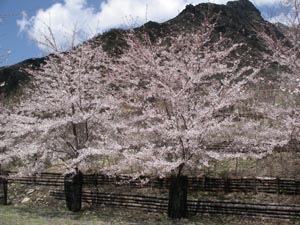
227, 184
278, 185
73, 190
160, 182
5, 184
204, 183
94, 190
3, 191
177, 207
254, 185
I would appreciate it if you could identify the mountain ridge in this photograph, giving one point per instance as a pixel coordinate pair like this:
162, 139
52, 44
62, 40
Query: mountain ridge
237, 20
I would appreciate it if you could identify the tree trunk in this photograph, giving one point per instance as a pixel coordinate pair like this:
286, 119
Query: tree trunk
177, 207
73, 189
3, 191
227, 185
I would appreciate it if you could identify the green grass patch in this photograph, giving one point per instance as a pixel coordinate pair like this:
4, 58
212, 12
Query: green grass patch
25, 215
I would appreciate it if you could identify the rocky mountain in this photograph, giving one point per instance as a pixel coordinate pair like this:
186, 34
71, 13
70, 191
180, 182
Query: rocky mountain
238, 20
12, 78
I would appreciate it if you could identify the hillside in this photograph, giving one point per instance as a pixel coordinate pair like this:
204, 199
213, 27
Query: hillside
207, 84
238, 20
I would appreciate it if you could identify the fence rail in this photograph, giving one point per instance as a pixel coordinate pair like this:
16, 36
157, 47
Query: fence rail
47, 179
155, 204
248, 209
266, 185
147, 203
209, 184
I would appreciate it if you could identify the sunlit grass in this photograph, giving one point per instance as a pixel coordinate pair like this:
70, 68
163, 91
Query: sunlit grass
33, 215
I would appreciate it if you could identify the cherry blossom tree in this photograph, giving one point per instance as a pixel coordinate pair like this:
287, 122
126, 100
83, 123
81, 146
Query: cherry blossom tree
64, 113
182, 95
158, 108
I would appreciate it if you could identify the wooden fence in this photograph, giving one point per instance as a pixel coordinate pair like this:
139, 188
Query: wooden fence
209, 184
255, 184
245, 209
47, 179
160, 205
140, 202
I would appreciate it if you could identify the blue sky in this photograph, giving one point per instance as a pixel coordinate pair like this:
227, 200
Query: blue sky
10, 37
23, 21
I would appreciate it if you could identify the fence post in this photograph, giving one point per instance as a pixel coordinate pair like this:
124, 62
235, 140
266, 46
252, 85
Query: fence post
73, 190
278, 185
227, 185
3, 191
160, 182
254, 185
94, 190
177, 206
204, 183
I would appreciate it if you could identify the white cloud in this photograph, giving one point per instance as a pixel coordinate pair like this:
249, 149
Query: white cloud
76, 15
287, 18
281, 11
264, 2
23, 23
63, 19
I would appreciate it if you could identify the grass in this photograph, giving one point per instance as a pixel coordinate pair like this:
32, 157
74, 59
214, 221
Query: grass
20, 215
33, 215
11, 215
